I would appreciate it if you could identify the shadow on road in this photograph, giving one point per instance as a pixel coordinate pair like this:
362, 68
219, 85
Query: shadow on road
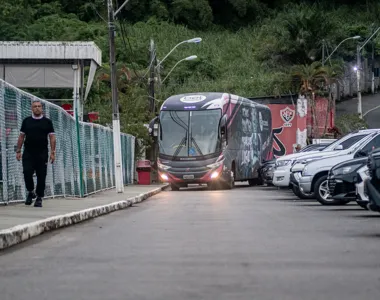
243, 185
366, 216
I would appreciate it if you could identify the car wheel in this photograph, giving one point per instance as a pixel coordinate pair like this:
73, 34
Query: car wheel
321, 191
300, 194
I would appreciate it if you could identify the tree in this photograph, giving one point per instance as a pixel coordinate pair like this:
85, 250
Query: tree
311, 78
331, 75
294, 35
132, 96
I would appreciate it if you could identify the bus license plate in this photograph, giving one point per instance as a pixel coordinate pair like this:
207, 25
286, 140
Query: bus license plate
188, 176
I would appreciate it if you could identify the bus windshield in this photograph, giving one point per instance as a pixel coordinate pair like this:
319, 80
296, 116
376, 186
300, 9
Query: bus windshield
189, 133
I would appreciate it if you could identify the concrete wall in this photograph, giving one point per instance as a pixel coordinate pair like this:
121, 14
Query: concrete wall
347, 86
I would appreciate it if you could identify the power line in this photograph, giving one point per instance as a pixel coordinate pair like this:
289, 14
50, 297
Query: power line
123, 36
99, 15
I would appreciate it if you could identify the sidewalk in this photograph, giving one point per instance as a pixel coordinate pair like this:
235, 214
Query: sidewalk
19, 222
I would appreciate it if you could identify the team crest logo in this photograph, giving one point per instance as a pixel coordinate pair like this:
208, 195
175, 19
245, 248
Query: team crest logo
287, 115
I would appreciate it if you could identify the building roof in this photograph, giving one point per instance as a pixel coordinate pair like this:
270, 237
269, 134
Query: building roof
50, 51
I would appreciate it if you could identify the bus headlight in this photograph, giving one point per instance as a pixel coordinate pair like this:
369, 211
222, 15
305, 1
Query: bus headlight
164, 177
214, 175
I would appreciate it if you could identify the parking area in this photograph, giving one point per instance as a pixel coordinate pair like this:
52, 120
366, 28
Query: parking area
345, 171
245, 243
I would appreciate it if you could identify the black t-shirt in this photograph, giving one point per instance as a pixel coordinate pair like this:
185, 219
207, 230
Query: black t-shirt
36, 132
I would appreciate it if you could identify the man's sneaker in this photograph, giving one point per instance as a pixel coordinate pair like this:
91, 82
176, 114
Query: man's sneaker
29, 200
38, 202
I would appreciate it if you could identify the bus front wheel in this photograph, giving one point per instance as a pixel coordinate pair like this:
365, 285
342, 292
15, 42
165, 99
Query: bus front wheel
231, 182
174, 187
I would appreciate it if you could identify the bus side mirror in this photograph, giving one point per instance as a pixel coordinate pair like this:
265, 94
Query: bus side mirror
223, 127
223, 130
153, 127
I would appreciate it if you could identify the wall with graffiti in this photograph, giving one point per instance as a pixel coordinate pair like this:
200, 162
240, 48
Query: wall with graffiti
289, 120
292, 122
284, 128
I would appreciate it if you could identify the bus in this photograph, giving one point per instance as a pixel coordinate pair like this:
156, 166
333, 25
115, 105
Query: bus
211, 138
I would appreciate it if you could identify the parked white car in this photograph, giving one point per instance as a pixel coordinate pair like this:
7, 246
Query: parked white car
281, 175
313, 178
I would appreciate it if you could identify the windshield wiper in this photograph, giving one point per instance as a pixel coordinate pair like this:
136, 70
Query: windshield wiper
196, 146
181, 144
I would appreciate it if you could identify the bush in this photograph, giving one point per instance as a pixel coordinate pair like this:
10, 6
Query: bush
350, 122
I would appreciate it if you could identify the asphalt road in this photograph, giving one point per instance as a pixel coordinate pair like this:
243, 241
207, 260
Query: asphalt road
248, 243
369, 102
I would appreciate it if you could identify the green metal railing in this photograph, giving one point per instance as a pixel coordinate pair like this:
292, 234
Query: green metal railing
84, 154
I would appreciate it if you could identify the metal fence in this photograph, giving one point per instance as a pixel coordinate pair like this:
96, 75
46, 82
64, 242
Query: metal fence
75, 172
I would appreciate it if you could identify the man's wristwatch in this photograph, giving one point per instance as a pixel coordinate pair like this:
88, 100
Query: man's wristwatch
18, 151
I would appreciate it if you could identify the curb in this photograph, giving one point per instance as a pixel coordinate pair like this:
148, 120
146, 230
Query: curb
20, 233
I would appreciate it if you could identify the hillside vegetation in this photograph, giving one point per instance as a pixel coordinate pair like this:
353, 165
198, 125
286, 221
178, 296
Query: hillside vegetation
249, 47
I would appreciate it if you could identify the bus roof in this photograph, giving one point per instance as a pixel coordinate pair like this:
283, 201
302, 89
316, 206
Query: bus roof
201, 101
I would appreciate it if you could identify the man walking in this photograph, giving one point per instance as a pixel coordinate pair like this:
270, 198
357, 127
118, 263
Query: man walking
35, 130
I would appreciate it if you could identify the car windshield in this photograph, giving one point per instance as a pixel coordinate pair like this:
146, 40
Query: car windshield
313, 147
346, 143
189, 133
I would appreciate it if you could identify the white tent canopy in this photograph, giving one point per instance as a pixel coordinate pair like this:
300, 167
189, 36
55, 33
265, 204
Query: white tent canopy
49, 64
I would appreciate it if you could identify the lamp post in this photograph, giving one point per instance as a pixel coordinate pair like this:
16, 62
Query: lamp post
192, 57
119, 183
358, 70
153, 68
356, 37
196, 40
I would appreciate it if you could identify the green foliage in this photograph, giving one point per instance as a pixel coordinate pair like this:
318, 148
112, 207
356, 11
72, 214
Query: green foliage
350, 122
250, 47
294, 35
195, 13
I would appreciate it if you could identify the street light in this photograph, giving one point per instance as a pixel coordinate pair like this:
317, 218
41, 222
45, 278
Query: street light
156, 68
356, 37
358, 69
196, 40
192, 57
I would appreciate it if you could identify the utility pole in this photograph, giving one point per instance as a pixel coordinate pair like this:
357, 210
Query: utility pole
373, 68
152, 64
115, 105
158, 76
152, 100
358, 66
323, 52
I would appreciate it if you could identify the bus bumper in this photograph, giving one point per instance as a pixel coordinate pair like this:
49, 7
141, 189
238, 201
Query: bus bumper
189, 177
